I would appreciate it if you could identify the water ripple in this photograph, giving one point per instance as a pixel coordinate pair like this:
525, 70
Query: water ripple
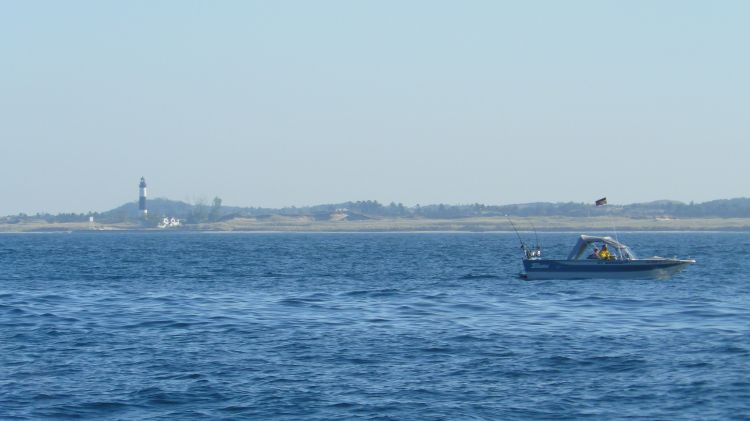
382, 326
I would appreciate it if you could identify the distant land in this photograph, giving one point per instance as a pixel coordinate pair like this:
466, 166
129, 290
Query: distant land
372, 216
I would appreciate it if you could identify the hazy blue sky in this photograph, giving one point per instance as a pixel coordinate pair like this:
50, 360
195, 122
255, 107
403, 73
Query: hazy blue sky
290, 103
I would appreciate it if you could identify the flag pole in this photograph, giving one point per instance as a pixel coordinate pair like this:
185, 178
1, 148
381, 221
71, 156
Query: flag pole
603, 202
614, 228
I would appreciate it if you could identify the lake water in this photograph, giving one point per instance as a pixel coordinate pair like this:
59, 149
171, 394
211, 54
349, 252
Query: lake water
365, 326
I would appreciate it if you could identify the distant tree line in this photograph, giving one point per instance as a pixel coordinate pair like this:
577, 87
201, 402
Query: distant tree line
201, 211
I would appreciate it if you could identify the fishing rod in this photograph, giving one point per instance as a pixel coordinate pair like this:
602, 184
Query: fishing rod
520, 240
538, 250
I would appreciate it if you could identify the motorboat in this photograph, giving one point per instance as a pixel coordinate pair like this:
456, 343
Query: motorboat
585, 261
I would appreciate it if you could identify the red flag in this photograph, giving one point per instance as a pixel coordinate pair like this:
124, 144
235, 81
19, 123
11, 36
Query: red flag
602, 201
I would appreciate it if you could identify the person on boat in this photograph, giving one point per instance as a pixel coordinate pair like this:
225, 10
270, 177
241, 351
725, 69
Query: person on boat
594, 254
604, 253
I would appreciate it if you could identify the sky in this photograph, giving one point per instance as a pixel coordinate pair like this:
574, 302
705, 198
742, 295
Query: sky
281, 103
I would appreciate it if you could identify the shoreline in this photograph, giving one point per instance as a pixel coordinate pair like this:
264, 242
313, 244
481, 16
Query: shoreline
415, 225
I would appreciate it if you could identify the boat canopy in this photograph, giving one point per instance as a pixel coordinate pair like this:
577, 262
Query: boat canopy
585, 240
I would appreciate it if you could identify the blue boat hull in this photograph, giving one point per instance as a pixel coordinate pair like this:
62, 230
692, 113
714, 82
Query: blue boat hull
603, 269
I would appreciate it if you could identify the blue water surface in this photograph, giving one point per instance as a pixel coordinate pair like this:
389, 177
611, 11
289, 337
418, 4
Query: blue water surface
365, 326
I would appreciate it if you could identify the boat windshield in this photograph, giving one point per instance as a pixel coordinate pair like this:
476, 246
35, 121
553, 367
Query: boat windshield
590, 247
619, 252
625, 252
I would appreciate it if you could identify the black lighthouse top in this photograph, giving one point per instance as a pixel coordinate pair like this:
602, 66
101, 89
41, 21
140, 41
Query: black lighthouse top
143, 183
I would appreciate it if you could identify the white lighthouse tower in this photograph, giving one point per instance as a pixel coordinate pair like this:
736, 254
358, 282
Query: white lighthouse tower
142, 198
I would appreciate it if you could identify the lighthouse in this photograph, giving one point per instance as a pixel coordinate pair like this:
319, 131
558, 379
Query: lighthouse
142, 198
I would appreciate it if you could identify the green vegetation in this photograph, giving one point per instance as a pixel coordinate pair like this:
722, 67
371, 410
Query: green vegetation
733, 214
476, 224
